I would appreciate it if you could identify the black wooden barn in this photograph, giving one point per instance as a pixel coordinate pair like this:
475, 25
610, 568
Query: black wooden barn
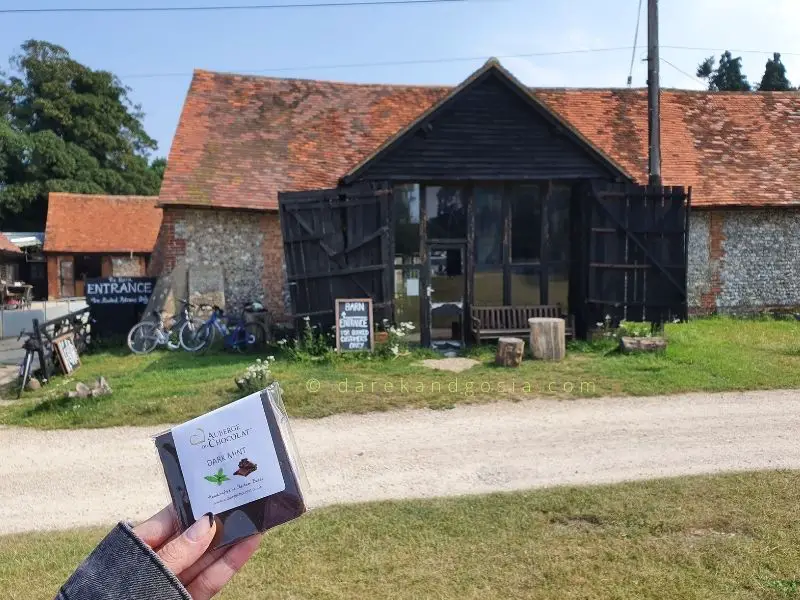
489, 199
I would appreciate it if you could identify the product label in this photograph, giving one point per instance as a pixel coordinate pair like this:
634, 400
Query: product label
228, 457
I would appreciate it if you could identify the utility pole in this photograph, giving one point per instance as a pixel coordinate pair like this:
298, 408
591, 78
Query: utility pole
653, 95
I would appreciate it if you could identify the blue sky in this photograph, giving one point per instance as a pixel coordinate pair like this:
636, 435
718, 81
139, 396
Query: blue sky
141, 47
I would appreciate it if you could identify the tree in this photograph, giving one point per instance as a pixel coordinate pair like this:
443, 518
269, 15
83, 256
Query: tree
65, 127
158, 166
774, 79
727, 77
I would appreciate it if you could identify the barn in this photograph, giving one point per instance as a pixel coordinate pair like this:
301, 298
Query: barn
437, 200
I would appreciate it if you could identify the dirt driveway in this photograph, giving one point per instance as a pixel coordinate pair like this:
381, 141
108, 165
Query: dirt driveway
62, 479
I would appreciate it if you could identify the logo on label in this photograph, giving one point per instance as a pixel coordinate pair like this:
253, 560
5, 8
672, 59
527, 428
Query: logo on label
198, 437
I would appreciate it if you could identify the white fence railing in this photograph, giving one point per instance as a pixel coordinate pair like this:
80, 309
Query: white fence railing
12, 322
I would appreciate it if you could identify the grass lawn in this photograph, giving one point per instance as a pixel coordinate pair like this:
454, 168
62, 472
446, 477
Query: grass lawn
723, 537
703, 355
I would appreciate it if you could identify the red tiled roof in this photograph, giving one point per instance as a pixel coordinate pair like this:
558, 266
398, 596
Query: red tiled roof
7, 247
95, 223
241, 139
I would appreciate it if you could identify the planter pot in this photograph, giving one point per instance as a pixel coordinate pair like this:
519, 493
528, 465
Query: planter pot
381, 337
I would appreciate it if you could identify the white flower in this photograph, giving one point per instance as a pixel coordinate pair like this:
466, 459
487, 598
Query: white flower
599, 323
395, 350
258, 361
271, 358
306, 318
281, 342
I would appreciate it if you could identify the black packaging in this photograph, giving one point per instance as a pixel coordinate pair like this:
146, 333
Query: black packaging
242, 467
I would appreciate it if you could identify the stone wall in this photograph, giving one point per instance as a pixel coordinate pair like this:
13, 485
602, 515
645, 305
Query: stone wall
744, 260
242, 250
127, 266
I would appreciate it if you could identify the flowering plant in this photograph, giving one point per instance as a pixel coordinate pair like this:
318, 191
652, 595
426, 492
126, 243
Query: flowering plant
256, 377
395, 344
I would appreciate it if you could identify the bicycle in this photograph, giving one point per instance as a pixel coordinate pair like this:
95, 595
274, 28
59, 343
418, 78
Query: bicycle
146, 336
32, 347
240, 335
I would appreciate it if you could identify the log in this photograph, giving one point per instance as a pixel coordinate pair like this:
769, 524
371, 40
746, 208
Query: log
632, 345
548, 338
509, 352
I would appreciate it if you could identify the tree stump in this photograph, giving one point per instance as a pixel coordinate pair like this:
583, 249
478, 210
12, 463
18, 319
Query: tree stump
548, 338
509, 352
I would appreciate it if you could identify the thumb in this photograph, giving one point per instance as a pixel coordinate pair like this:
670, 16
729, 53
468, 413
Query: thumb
187, 548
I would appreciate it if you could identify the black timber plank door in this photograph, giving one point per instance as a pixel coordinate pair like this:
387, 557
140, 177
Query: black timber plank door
337, 244
637, 255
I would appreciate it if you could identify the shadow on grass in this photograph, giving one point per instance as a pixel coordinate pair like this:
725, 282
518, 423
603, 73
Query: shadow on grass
186, 360
62, 404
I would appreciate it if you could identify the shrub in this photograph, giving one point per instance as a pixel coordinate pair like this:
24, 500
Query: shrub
636, 329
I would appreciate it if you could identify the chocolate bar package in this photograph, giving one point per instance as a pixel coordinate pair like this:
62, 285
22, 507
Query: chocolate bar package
238, 462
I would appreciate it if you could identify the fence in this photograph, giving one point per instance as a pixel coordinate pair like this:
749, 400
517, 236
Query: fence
13, 322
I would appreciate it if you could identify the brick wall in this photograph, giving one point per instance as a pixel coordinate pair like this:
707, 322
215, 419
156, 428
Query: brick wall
244, 247
743, 260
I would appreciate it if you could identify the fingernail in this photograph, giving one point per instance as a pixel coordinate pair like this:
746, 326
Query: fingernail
199, 530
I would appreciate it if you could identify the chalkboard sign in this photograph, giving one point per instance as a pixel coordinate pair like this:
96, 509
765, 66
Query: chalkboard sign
67, 353
354, 324
119, 290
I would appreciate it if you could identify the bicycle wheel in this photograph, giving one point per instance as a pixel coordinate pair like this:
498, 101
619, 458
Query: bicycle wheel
252, 337
196, 338
143, 337
25, 372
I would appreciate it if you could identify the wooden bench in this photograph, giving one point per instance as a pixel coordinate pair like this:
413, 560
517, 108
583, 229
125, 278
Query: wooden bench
491, 322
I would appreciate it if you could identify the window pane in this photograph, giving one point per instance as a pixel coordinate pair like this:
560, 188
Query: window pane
525, 286
488, 287
526, 222
406, 299
406, 229
558, 286
558, 223
447, 215
489, 225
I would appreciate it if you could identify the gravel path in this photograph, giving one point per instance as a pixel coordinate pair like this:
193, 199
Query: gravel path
62, 479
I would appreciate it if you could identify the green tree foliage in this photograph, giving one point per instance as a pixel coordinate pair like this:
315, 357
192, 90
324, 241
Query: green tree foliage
65, 127
774, 79
727, 77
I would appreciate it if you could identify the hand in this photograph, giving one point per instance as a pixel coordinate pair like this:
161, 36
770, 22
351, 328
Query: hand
202, 573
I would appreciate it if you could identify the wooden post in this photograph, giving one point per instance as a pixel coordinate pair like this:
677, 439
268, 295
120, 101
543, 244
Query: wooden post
653, 94
548, 338
43, 364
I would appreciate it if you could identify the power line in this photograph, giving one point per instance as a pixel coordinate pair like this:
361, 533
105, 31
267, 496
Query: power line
679, 70
635, 43
129, 9
387, 63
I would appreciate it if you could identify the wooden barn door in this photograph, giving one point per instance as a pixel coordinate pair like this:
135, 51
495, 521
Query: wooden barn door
337, 245
637, 254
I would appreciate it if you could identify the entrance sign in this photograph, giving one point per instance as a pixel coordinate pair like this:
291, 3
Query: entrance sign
67, 353
354, 324
119, 290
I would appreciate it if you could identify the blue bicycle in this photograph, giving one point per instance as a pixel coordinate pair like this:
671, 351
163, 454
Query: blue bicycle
238, 335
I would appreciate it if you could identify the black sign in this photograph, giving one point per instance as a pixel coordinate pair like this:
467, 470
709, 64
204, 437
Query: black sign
67, 353
119, 290
354, 324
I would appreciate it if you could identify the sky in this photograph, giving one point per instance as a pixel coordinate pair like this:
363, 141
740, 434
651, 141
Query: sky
154, 53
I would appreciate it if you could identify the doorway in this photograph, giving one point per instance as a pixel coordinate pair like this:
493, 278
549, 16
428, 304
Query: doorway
446, 295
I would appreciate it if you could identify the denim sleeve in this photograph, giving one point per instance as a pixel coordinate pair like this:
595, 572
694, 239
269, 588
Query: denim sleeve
123, 567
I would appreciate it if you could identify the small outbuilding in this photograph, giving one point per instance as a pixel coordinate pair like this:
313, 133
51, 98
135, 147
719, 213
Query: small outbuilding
90, 236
